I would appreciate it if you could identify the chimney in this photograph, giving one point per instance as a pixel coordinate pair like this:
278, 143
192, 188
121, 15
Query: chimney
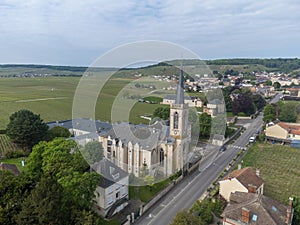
289, 211
239, 166
245, 215
252, 188
257, 172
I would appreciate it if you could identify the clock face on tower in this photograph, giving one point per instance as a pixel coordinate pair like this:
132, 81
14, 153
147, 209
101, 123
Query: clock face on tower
175, 132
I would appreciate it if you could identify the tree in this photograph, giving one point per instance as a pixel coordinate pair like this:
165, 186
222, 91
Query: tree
26, 128
13, 190
243, 103
288, 112
276, 85
269, 113
149, 180
268, 83
58, 132
296, 206
93, 152
161, 112
69, 169
186, 218
259, 101
44, 204
205, 124
204, 209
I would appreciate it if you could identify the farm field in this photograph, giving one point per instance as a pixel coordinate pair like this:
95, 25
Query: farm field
52, 98
279, 167
6, 145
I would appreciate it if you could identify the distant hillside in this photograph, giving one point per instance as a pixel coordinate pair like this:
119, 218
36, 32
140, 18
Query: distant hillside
191, 66
11, 70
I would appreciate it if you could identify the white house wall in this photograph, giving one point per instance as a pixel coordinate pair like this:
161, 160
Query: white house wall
230, 185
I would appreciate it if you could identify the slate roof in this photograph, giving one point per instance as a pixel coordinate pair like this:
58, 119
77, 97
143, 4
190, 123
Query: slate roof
110, 173
263, 210
180, 89
246, 176
84, 124
215, 102
219, 137
10, 167
148, 137
173, 97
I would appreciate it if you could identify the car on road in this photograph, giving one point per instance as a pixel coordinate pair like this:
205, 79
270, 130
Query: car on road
251, 139
223, 149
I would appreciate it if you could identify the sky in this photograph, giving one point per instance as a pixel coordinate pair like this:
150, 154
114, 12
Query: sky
68, 32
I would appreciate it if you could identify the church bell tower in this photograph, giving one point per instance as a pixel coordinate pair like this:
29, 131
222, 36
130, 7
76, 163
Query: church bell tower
179, 112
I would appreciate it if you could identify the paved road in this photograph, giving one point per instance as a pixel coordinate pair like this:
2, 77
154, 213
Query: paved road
193, 187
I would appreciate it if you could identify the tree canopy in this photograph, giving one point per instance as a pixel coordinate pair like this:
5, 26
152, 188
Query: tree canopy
161, 112
26, 128
56, 188
186, 218
205, 124
58, 132
92, 152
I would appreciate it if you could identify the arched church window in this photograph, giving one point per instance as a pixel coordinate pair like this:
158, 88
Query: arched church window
161, 156
175, 125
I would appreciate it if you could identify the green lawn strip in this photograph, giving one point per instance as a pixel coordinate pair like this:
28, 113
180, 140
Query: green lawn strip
280, 168
145, 193
16, 161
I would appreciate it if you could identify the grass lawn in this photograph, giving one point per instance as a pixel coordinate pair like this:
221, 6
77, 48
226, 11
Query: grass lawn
145, 193
279, 167
17, 161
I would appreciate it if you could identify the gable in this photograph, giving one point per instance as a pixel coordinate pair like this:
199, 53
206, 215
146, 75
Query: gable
277, 132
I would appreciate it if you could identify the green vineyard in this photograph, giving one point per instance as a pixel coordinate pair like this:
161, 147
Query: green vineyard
6, 145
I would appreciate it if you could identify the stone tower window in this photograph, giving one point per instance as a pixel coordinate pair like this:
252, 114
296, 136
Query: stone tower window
175, 125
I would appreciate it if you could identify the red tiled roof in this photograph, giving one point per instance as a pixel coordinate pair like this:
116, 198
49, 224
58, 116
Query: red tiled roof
262, 210
291, 128
246, 176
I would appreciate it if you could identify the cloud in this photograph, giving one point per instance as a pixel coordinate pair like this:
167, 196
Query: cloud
83, 30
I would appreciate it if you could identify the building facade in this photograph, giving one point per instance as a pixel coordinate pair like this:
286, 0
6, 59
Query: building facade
160, 148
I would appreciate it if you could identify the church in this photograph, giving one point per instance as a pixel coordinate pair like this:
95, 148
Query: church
160, 148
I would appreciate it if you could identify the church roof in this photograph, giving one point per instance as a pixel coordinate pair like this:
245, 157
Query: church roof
148, 137
180, 89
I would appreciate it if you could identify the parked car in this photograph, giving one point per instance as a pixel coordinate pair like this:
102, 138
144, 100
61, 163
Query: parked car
223, 148
251, 139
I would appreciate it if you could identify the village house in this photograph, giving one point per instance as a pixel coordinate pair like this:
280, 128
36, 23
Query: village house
283, 132
243, 180
256, 209
190, 101
111, 194
214, 107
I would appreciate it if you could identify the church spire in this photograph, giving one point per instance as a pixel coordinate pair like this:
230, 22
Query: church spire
180, 89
